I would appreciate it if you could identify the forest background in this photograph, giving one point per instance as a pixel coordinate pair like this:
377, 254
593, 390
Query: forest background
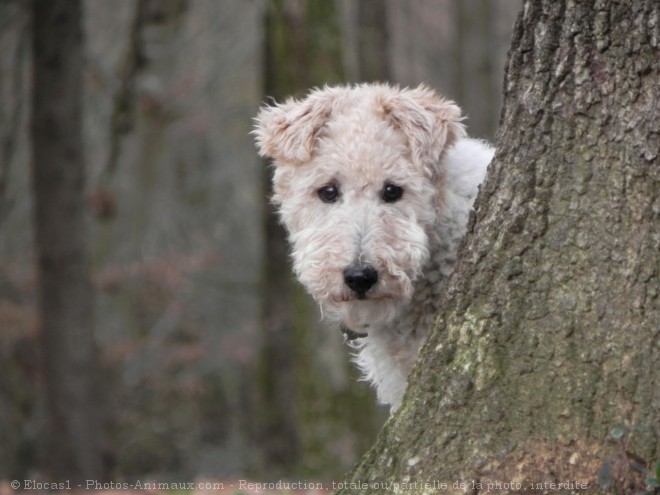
214, 363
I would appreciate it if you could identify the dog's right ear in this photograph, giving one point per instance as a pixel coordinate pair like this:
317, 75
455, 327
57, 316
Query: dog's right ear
288, 131
430, 123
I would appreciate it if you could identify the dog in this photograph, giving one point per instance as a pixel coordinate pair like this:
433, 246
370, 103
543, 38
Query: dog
374, 184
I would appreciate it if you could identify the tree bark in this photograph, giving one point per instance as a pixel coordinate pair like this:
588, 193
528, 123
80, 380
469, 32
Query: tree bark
549, 334
72, 449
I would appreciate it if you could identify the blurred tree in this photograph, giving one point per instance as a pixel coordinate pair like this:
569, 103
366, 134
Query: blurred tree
461, 23
163, 17
457, 47
172, 88
74, 434
487, 71
549, 333
13, 43
475, 84
285, 61
373, 41
290, 65
302, 415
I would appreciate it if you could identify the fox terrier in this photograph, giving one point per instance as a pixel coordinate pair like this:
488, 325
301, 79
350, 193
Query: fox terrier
374, 185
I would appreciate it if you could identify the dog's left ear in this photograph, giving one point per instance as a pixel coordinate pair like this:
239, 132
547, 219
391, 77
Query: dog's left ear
430, 123
288, 131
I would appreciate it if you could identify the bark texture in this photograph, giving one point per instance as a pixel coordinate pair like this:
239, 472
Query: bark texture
549, 336
73, 447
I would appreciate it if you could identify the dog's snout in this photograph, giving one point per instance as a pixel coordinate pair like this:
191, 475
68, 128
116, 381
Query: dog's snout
360, 278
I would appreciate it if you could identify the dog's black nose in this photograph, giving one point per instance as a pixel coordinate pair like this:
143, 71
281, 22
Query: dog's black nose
360, 278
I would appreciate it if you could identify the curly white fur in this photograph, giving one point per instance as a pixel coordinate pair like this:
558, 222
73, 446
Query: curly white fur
360, 139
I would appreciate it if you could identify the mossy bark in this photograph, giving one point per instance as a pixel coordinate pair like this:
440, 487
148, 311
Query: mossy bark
549, 333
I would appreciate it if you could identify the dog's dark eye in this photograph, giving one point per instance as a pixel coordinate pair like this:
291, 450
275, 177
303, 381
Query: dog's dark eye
392, 193
329, 193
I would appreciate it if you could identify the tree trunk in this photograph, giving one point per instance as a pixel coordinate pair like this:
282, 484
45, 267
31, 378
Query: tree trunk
373, 41
296, 387
544, 364
14, 42
460, 18
285, 41
72, 448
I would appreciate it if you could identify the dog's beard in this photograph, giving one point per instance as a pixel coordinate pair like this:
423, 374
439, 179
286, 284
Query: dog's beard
363, 313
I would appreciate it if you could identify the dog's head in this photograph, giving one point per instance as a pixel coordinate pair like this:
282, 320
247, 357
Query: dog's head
357, 181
